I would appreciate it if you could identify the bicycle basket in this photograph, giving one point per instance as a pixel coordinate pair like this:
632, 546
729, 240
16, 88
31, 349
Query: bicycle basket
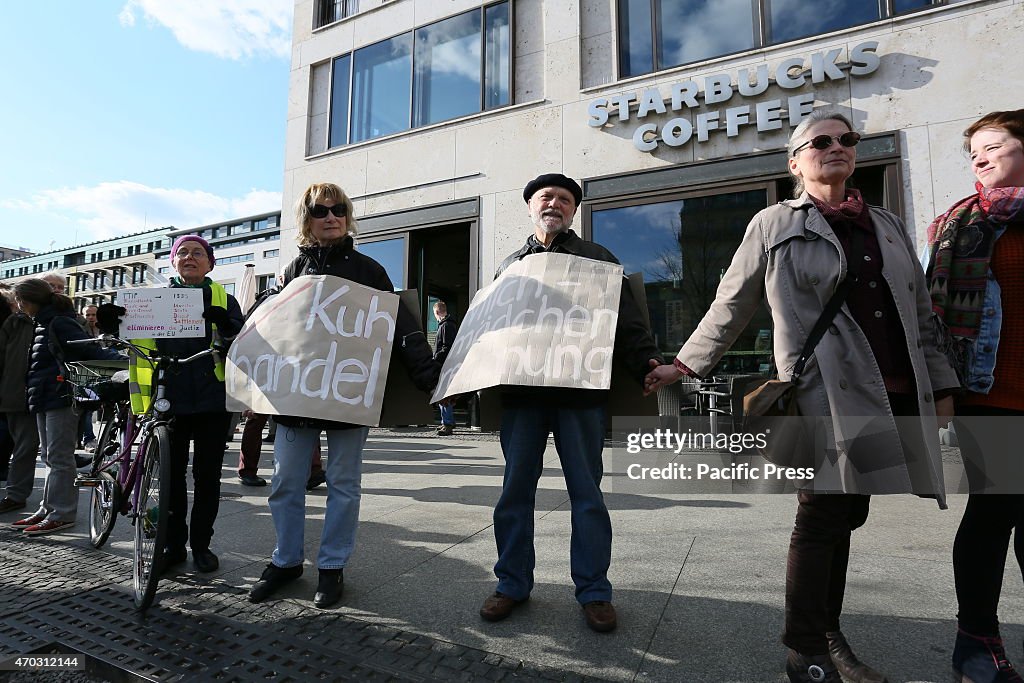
95, 383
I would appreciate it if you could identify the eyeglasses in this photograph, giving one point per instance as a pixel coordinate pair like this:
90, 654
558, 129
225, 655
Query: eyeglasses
320, 211
198, 254
849, 139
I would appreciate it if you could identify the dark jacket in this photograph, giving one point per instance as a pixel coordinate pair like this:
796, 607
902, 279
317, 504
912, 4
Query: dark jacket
634, 344
53, 329
194, 388
15, 346
447, 328
342, 260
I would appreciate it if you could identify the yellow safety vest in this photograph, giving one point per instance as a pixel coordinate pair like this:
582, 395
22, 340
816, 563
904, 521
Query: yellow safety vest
140, 370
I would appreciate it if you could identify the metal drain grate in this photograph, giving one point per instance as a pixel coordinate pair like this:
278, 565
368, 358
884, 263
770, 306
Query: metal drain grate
205, 629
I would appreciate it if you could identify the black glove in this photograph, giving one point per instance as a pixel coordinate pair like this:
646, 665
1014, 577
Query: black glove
108, 318
218, 316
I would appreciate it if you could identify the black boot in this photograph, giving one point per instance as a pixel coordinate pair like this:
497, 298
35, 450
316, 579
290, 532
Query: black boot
850, 668
273, 577
329, 588
811, 668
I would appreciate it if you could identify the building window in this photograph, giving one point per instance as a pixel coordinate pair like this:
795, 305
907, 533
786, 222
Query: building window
265, 282
330, 11
234, 259
389, 253
446, 83
451, 68
380, 85
661, 34
340, 74
271, 253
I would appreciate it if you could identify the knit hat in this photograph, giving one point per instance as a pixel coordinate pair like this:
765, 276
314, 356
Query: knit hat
553, 180
194, 238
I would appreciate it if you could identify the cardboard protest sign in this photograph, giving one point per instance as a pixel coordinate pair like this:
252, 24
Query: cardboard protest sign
321, 348
548, 320
624, 396
161, 312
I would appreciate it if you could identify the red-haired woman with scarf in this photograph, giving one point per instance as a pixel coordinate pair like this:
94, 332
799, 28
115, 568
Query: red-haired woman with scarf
976, 275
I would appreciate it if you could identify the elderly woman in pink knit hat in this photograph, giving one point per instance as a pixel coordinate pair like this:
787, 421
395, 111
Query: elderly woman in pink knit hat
197, 396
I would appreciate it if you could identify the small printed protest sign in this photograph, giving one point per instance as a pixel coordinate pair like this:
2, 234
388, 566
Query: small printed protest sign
321, 349
161, 312
548, 320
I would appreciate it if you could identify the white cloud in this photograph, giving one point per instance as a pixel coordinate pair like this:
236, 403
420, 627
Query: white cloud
118, 208
233, 29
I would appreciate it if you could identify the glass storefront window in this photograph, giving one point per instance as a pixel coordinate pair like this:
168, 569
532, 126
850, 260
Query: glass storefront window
380, 88
390, 253
447, 79
792, 19
692, 30
683, 248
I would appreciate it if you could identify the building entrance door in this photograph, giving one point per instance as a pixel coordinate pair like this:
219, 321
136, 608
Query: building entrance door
439, 259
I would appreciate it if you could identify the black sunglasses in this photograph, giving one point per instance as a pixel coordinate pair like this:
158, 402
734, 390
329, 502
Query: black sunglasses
849, 139
320, 211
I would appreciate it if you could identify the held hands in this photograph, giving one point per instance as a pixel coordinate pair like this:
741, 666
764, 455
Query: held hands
660, 376
108, 318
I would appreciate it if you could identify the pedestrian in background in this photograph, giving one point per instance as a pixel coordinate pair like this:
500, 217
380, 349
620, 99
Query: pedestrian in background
50, 399
447, 328
16, 334
976, 274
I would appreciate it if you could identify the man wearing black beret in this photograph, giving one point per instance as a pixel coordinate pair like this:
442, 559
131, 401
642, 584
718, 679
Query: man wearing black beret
577, 417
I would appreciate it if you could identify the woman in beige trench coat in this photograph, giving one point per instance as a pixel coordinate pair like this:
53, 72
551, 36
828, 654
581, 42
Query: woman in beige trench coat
878, 360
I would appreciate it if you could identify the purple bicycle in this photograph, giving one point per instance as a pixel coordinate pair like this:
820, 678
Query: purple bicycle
131, 468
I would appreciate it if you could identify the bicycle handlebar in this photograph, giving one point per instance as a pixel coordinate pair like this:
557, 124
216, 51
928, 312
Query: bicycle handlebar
139, 351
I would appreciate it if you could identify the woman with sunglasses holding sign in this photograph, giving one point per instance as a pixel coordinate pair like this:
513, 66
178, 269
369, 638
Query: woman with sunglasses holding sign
976, 273
876, 360
327, 230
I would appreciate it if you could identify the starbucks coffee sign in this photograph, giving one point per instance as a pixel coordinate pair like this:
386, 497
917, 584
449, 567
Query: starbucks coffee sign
767, 115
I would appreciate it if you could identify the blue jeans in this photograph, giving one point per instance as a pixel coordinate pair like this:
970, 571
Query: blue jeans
293, 453
579, 440
447, 415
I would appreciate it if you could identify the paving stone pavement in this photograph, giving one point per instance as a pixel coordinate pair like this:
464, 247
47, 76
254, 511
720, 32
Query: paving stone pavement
698, 578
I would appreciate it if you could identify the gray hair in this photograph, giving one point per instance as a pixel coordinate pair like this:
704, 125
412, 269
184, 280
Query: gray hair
795, 138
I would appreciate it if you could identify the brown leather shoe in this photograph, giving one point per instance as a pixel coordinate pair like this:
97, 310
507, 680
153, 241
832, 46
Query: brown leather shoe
600, 616
498, 606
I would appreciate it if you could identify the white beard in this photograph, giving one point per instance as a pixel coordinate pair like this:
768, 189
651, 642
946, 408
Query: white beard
550, 229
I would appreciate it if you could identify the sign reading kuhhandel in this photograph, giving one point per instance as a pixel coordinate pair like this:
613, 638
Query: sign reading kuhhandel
548, 320
321, 348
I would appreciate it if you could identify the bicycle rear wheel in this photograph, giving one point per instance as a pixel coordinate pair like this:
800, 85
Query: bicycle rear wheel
106, 498
151, 516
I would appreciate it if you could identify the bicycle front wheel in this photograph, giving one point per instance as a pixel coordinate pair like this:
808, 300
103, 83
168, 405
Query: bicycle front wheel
151, 515
106, 499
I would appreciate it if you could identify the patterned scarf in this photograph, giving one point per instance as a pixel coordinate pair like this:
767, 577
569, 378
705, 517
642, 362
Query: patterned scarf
960, 244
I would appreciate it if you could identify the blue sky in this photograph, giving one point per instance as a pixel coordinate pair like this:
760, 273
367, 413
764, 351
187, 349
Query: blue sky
125, 115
